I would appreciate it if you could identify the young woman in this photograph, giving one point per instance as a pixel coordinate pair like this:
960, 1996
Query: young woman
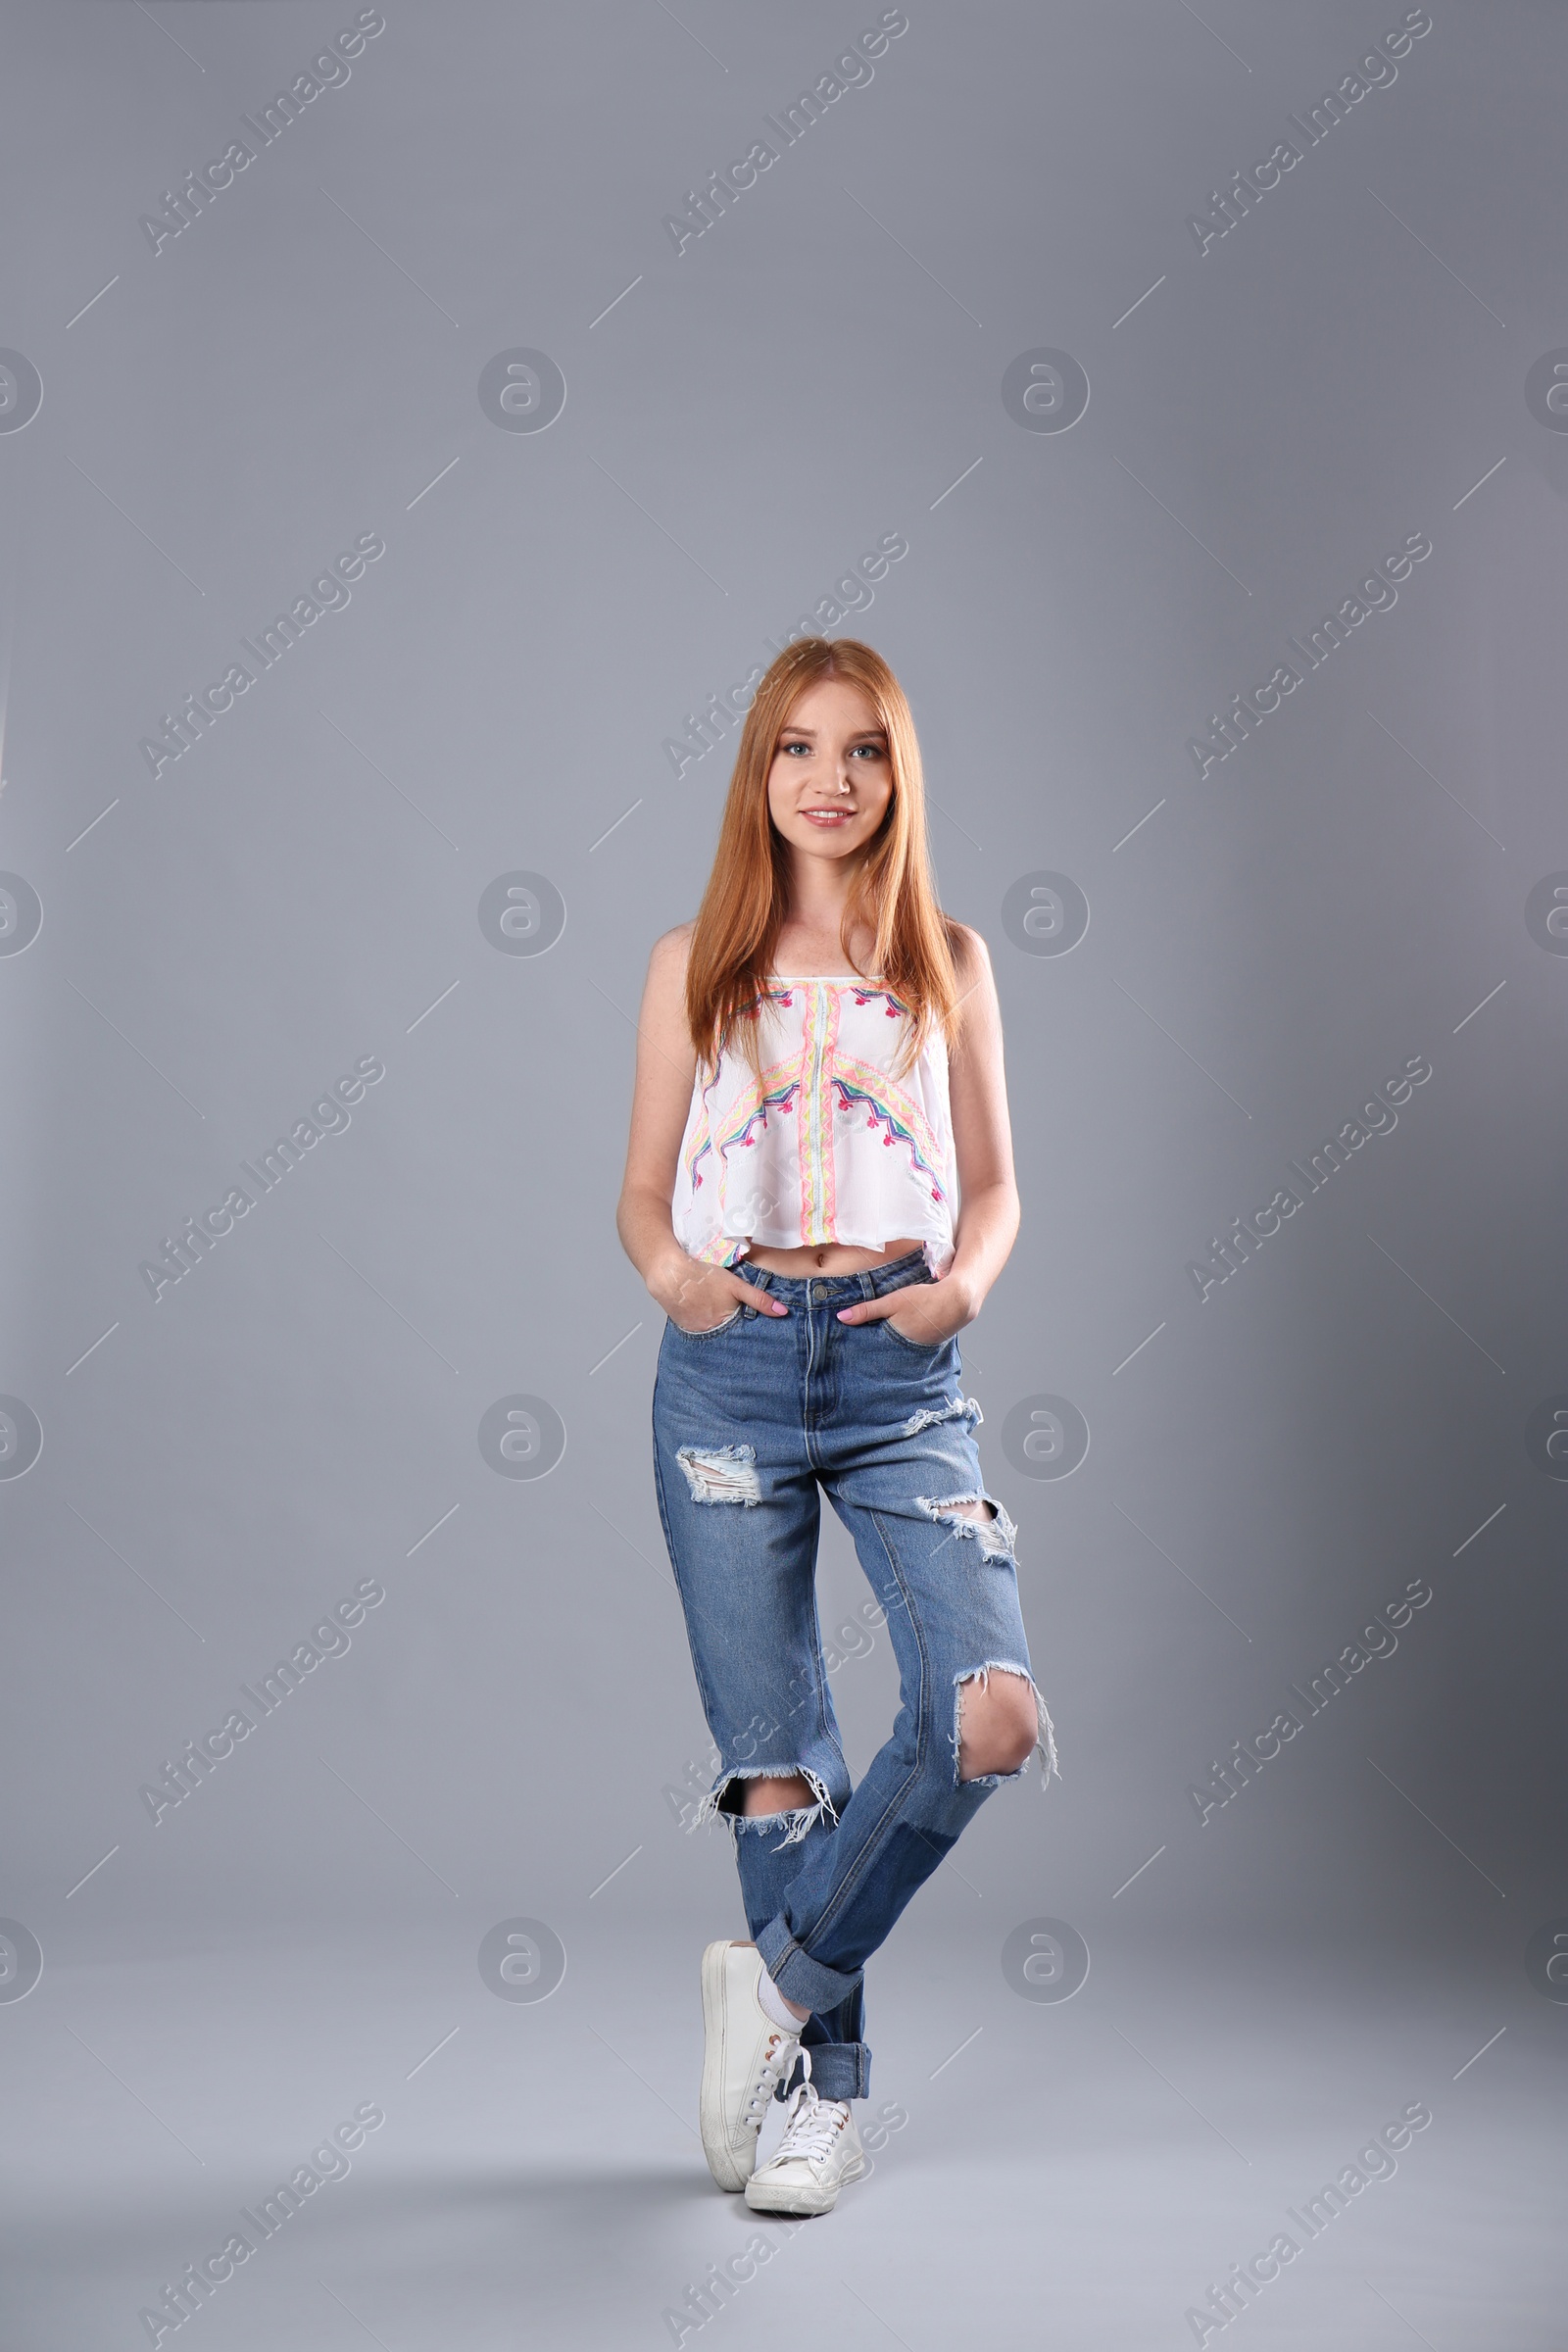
820, 1085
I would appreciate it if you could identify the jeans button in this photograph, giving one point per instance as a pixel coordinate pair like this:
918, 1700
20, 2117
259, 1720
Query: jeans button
819, 1291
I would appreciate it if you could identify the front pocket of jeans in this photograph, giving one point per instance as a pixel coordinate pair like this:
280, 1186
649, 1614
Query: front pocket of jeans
915, 1347
728, 1324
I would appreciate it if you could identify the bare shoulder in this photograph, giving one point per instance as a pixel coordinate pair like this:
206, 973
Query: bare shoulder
674, 946
666, 964
971, 958
971, 966
979, 1015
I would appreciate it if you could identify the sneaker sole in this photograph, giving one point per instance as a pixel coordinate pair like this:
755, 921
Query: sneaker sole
763, 2198
723, 2162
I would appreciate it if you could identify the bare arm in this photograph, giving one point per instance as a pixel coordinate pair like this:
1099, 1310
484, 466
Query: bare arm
693, 1294
982, 1135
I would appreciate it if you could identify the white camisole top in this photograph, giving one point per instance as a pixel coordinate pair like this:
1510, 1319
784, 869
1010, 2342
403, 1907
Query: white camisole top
828, 1147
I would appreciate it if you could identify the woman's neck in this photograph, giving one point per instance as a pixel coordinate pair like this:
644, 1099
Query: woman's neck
806, 947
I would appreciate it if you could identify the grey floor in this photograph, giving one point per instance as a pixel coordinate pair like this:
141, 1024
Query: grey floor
1080, 2172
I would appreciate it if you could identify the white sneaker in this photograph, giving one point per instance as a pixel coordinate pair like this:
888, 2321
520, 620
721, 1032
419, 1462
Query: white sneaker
821, 2151
745, 2058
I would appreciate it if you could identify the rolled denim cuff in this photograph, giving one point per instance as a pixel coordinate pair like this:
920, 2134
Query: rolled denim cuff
840, 2069
801, 1979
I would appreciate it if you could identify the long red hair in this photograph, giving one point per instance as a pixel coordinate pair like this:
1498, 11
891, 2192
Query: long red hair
744, 906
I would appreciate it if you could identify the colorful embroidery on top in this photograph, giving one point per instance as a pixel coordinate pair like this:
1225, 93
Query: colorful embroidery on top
745, 1176
814, 1139
901, 1129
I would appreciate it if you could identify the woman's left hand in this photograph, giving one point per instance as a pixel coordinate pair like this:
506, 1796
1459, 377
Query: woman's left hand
924, 1312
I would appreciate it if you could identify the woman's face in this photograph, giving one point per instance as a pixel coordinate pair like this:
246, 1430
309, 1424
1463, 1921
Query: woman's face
831, 780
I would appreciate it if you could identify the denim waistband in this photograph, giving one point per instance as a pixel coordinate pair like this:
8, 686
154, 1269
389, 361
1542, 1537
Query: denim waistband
874, 1282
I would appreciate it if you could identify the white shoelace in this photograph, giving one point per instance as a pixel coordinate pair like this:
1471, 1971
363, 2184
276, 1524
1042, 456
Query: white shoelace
811, 2126
776, 2059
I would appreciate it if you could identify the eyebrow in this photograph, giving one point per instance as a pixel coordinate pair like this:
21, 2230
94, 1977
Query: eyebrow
866, 734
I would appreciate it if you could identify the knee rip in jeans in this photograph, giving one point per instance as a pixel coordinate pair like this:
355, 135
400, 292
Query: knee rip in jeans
980, 1517
1045, 1739
721, 1473
724, 1800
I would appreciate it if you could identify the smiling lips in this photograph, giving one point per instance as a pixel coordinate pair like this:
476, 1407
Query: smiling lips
829, 817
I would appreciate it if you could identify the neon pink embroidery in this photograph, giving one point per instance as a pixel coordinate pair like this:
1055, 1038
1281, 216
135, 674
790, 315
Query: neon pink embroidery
744, 1178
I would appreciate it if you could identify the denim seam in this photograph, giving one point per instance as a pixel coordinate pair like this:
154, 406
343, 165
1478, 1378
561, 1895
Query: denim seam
851, 1880
828, 1735
821, 1727
686, 1600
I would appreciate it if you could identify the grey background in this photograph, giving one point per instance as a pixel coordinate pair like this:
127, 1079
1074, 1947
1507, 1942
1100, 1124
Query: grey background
517, 1719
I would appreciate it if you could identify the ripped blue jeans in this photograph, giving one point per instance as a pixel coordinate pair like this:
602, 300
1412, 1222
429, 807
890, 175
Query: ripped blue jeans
750, 1420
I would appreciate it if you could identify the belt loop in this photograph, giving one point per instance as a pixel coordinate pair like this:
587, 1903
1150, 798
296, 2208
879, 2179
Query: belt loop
761, 1276
868, 1285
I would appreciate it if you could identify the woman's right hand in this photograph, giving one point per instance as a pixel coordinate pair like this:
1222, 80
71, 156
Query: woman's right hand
699, 1297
